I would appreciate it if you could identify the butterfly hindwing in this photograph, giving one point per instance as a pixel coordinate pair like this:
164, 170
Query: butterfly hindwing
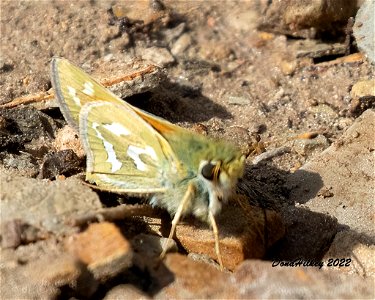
117, 152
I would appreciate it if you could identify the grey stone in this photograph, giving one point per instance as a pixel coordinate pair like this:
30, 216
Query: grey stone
346, 168
252, 280
363, 29
255, 279
175, 32
238, 100
352, 253
125, 291
43, 277
182, 43
308, 146
159, 56
44, 203
242, 20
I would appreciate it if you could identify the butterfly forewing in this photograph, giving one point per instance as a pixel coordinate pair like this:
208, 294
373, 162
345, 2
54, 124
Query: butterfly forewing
123, 151
74, 88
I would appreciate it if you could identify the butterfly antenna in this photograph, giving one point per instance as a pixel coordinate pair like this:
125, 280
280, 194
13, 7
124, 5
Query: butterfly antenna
180, 210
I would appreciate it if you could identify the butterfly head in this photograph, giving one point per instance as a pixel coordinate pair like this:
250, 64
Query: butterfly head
219, 178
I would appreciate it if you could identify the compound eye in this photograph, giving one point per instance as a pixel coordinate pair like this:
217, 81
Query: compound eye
208, 171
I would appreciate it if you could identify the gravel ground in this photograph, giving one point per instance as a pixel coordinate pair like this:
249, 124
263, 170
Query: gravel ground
283, 81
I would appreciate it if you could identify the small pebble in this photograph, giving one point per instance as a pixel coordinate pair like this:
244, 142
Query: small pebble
159, 56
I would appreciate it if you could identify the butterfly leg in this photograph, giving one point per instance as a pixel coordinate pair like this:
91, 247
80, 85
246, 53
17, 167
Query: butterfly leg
217, 241
181, 208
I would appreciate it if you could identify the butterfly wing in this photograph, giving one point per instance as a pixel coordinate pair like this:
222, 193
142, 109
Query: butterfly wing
122, 150
74, 88
124, 153
185, 143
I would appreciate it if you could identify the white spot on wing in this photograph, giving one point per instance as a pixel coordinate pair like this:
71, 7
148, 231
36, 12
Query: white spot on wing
88, 88
150, 151
112, 158
134, 152
117, 129
73, 93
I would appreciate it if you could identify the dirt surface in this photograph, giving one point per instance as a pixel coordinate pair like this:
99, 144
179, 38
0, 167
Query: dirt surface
278, 85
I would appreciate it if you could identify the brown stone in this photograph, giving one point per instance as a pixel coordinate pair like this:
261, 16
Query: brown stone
304, 18
245, 232
56, 271
103, 248
193, 280
11, 233
363, 96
